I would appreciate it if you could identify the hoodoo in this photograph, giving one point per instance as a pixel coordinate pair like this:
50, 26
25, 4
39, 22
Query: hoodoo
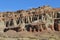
35, 19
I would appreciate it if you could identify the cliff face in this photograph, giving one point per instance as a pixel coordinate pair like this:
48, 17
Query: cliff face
35, 19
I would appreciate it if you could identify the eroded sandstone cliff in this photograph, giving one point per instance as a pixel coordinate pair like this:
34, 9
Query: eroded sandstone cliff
35, 19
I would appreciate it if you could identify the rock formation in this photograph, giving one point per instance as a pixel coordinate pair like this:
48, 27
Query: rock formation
35, 19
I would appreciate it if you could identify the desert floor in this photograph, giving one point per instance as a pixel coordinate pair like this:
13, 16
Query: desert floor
24, 35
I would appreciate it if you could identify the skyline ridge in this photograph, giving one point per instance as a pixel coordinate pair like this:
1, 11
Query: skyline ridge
13, 5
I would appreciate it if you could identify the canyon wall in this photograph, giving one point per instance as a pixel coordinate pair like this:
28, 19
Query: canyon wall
35, 19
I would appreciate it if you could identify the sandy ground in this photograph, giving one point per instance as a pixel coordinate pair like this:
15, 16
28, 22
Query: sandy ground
24, 35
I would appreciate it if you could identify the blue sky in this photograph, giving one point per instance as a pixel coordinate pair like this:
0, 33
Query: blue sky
13, 5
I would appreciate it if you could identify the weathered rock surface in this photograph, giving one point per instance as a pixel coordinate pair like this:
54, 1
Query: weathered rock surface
43, 23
